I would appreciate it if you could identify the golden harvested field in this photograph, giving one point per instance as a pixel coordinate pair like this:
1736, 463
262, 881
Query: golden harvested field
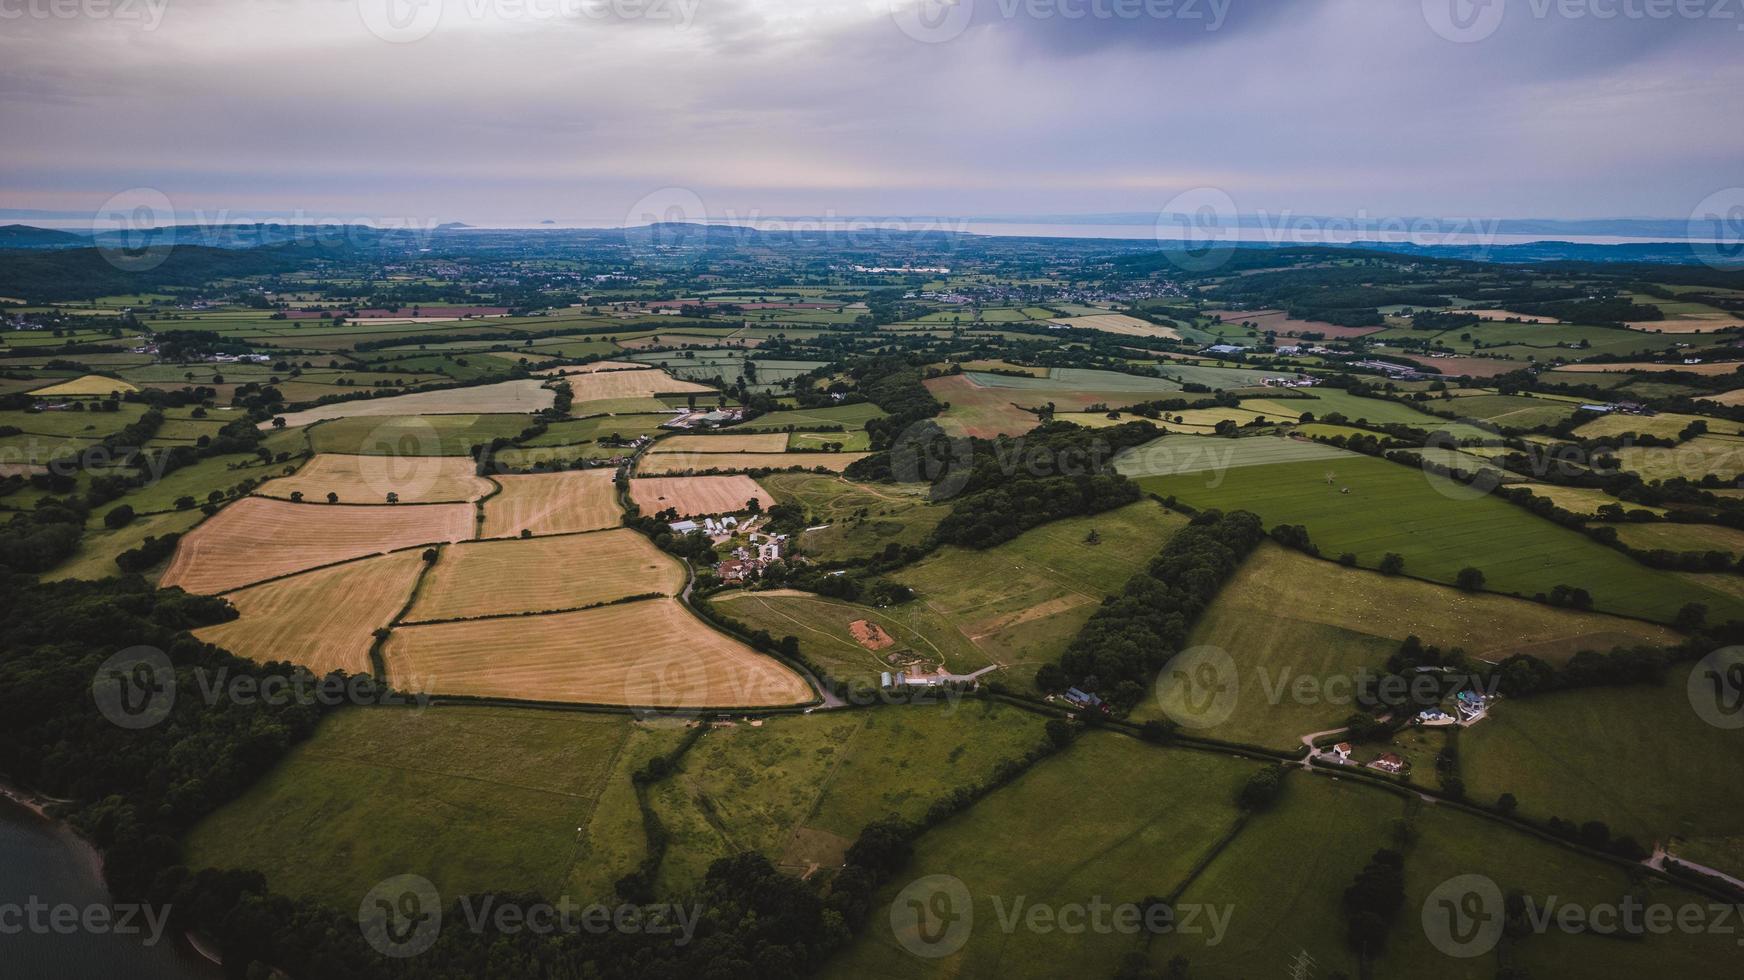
1687, 323
695, 496
493, 578
657, 463
652, 653
506, 398
90, 384
1733, 397
325, 619
751, 442
610, 385
369, 479
1119, 323
255, 539
552, 503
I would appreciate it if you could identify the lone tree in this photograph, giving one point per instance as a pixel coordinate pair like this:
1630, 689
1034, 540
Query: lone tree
1392, 564
1469, 579
296, 496
332, 497
393, 498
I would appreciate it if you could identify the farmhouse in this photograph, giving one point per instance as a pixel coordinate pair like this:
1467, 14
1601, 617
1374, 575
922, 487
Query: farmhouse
1388, 763
1342, 750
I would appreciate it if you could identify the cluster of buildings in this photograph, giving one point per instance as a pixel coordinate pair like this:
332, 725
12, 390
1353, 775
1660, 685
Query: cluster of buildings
704, 420
1622, 408
749, 560
1084, 700
1299, 381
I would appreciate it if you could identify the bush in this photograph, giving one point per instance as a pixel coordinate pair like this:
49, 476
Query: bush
119, 517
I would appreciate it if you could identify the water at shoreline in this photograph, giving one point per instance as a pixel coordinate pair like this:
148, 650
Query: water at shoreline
43, 861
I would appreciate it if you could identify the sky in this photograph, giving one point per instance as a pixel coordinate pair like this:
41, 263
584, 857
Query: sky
510, 112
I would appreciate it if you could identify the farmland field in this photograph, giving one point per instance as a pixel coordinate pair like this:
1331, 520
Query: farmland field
508, 397
846, 416
426, 435
682, 462
1681, 537
1286, 617
473, 798
1721, 456
696, 496
1438, 526
324, 619
95, 557
609, 386
1638, 758
495, 578
652, 652
552, 503
766, 442
1182, 454
1118, 323
847, 519
368, 479
88, 386
255, 539
1125, 838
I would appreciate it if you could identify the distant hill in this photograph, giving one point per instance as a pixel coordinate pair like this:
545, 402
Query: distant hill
85, 273
26, 236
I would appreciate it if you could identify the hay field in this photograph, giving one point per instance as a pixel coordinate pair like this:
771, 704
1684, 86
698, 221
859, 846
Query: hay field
657, 463
369, 479
611, 385
552, 503
652, 653
508, 397
495, 578
565, 370
1118, 323
255, 539
749, 442
89, 385
323, 620
697, 495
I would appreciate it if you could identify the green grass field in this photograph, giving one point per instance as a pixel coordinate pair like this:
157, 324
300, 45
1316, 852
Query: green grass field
471, 798
1287, 619
1108, 820
577, 431
800, 789
863, 519
1513, 411
849, 417
1440, 528
1021, 602
1179, 454
1721, 456
1638, 758
95, 557
1682, 537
